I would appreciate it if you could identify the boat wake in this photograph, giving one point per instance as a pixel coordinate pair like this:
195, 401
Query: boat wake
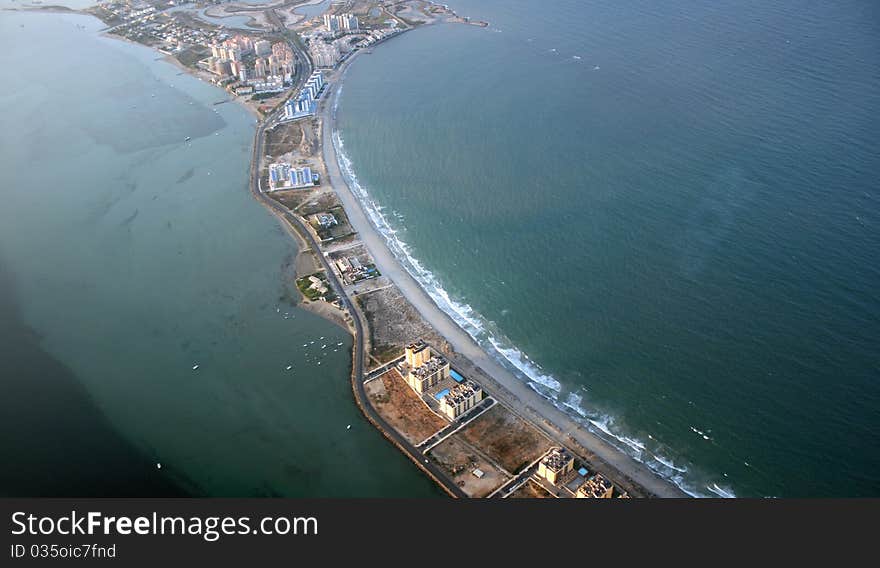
502, 349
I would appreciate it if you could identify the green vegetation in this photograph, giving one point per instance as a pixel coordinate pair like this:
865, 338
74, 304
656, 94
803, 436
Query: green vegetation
385, 353
192, 55
305, 286
263, 96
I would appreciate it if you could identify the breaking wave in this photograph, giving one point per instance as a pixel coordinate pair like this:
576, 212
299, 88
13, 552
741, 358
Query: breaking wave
499, 347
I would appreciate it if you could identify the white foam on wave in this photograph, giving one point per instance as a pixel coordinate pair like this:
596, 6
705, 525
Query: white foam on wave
669, 463
519, 360
574, 402
495, 344
604, 424
725, 492
463, 314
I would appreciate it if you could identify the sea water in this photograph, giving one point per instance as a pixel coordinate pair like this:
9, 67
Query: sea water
664, 216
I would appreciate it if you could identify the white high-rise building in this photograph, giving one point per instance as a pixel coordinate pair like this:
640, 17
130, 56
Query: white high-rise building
347, 22
331, 23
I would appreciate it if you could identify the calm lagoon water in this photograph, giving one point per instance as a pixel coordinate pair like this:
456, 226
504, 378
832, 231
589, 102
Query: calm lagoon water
128, 256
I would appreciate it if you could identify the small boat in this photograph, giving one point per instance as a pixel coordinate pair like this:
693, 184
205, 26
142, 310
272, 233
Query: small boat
187, 139
348, 427
195, 367
289, 367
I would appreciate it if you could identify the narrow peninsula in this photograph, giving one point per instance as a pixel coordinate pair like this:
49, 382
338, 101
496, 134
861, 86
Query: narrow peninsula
460, 415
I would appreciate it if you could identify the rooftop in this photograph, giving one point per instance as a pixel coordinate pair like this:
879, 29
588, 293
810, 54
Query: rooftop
596, 487
431, 366
460, 392
556, 459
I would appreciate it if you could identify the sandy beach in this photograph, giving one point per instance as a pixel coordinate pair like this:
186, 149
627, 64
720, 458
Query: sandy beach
468, 356
507, 387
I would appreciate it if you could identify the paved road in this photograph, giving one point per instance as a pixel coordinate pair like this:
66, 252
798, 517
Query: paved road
509, 390
304, 69
505, 387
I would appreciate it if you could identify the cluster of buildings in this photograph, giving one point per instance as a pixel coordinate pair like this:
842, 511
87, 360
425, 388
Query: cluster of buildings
340, 23
431, 377
305, 102
558, 468
353, 270
139, 12
127, 11
284, 176
141, 22
325, 54
339, 37
265, 66
421, 368
176, 37
373, 36
424, 370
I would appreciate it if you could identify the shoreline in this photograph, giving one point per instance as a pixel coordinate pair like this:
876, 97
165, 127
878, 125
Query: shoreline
504, 385
514, 391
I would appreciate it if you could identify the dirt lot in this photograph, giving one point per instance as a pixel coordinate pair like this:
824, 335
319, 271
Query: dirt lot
460, 459
306, 201
530, 490
506, 438
311, 144
320, 201
400, 406
393, 323
283, 138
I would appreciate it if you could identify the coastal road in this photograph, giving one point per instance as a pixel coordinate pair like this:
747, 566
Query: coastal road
358, 349
508, 389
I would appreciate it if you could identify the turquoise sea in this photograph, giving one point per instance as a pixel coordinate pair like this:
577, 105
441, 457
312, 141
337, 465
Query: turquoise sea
146, 312
664, 215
